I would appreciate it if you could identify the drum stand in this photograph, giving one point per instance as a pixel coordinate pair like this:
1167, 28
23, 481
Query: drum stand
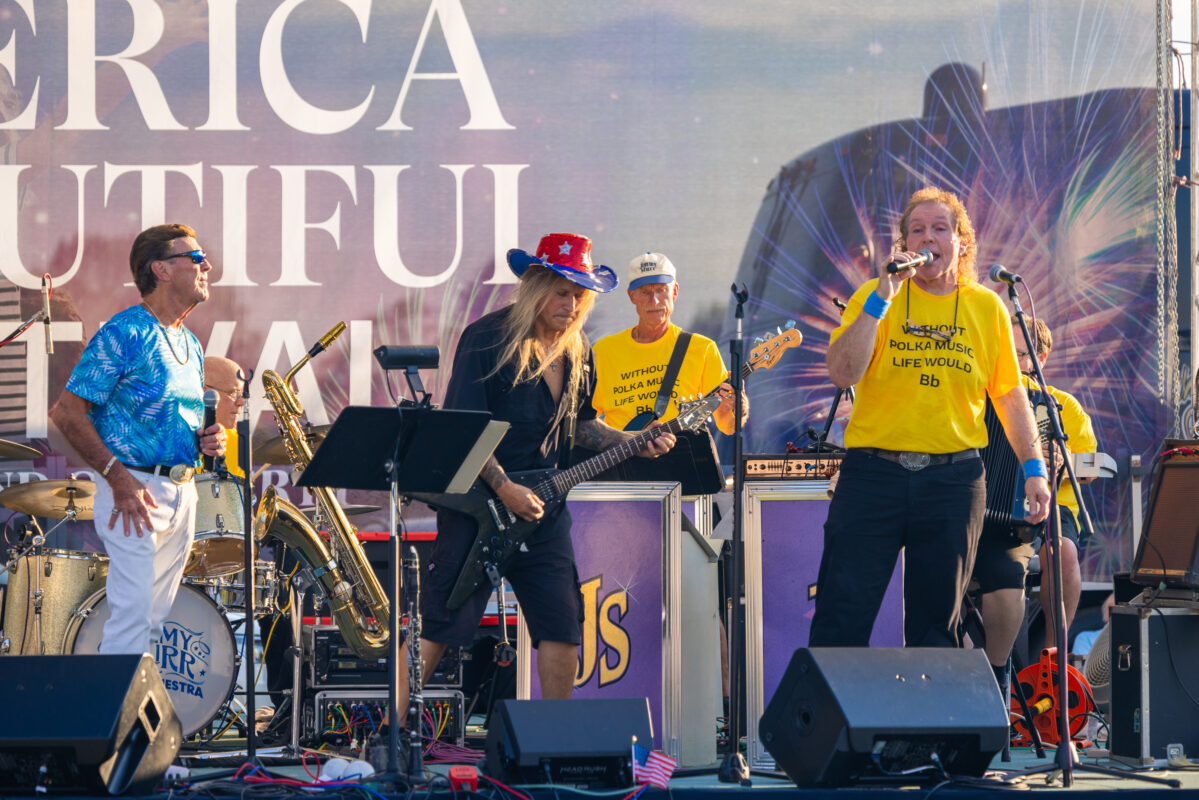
1066, 759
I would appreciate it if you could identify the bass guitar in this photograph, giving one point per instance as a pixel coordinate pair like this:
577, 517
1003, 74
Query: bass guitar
763, 355
501, 532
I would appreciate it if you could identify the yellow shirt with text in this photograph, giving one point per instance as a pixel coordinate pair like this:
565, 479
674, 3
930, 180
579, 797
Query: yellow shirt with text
926, 395
628, 374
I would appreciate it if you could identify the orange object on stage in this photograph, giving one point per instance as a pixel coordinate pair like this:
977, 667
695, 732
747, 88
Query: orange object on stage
1039, 682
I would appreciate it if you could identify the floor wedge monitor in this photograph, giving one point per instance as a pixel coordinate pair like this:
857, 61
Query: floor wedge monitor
580, 742
850, 715
100, 723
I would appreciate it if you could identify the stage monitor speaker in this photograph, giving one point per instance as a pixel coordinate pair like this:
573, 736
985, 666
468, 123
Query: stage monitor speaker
1168, 552
847, 714
580, 742
93, 722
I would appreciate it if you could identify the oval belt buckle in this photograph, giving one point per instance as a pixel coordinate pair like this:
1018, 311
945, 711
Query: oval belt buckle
182, 473
914, 461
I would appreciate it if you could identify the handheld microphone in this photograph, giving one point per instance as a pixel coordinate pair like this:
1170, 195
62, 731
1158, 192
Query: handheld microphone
208, 463
1000, 274
46, 316
923, 258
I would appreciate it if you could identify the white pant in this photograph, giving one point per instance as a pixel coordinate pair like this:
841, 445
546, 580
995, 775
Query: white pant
144, 572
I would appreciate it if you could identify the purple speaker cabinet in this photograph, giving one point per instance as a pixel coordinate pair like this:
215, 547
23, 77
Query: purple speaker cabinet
784, 538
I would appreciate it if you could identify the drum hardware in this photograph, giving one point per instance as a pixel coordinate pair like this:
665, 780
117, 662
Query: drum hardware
69, 499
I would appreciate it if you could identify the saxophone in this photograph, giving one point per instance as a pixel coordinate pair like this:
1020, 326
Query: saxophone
351, 588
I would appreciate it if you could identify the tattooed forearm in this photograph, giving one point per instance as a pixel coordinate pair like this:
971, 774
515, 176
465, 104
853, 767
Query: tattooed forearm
493, 474
596, 435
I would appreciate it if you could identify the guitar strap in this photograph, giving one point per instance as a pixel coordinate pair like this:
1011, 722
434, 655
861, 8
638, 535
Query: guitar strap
672, 374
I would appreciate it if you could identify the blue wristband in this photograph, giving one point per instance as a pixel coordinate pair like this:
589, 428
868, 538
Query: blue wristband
1035, 468
875, 306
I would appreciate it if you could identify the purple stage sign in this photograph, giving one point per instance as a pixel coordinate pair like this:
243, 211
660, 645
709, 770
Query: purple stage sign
784, 539
626, 540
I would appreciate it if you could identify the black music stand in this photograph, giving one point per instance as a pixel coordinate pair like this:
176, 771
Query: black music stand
403, 449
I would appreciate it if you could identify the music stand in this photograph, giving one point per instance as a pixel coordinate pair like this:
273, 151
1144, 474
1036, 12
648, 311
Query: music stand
403, 449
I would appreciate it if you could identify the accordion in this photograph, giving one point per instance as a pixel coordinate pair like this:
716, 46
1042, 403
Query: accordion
1005, 512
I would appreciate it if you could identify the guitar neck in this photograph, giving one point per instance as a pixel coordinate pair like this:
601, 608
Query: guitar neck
562, 482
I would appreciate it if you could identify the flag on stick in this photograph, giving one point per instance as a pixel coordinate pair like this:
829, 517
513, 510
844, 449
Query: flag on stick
652, 766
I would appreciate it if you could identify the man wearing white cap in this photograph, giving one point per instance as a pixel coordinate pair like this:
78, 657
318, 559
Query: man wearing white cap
630, 365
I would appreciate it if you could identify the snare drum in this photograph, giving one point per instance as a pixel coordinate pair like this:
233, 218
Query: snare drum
196, 656
229, 591
219, 542
43, 593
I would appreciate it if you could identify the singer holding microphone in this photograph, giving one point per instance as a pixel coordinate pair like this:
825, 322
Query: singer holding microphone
924, 343
133, 409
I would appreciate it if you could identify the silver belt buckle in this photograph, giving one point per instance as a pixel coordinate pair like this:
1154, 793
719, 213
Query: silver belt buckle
182, 473
914, 461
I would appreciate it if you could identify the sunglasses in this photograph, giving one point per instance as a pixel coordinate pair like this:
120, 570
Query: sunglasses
197, 256
928, 332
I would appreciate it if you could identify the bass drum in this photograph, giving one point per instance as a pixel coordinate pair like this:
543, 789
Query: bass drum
196, 656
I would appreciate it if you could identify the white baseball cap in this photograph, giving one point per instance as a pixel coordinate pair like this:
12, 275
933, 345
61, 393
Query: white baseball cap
650, 268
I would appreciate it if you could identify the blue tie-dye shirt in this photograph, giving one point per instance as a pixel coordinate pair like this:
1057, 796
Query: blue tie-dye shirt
146, 406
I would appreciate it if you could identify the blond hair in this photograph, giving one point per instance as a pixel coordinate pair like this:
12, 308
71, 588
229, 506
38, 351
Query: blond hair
961, 221
519, 343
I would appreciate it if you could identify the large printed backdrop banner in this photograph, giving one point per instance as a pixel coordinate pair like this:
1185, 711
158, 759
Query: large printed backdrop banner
372, 161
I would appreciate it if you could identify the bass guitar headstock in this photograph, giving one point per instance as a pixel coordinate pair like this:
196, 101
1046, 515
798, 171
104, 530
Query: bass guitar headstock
767, 351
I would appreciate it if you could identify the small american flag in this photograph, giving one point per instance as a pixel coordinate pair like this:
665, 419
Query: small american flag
652, 766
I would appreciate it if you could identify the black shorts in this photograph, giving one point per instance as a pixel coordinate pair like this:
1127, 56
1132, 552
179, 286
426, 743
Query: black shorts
1002, 562
544, 579
1069, 525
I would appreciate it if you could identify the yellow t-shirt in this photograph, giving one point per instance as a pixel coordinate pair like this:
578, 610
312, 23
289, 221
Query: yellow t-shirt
231, 453
926, 395
1080, 438
629, 374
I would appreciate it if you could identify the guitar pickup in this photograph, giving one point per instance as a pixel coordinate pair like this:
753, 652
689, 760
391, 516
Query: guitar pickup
502, 516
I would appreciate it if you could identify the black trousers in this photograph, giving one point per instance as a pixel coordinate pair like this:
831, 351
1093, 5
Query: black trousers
935, 515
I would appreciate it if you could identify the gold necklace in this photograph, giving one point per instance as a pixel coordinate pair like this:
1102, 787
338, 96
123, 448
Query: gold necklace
166, 335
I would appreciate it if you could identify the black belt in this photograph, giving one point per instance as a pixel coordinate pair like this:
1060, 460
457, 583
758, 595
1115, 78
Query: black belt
916, 461
179, 473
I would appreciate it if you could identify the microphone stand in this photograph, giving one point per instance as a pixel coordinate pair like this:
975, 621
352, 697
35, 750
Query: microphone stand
1065, 759
734, 769
243, 460
819, 440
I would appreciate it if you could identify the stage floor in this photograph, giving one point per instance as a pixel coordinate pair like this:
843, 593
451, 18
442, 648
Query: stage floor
225, 773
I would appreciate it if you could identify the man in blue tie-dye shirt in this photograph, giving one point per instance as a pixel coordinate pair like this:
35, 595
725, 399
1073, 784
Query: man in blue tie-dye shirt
133, 409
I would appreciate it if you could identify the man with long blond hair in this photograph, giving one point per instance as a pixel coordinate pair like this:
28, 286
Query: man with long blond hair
912, 478
531, 365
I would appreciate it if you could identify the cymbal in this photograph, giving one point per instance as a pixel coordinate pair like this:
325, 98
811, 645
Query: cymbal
273, 451
350, 510
51, 498
17, 451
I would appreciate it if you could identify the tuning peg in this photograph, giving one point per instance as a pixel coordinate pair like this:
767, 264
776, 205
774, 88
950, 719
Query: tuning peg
790, 324
758, 340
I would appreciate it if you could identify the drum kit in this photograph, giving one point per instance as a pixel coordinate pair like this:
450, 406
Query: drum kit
55, 601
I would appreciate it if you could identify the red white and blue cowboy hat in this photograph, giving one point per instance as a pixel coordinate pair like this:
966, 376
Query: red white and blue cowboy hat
569, 255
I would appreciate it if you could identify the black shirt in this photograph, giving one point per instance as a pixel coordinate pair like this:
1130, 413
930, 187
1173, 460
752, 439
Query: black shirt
533, 441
